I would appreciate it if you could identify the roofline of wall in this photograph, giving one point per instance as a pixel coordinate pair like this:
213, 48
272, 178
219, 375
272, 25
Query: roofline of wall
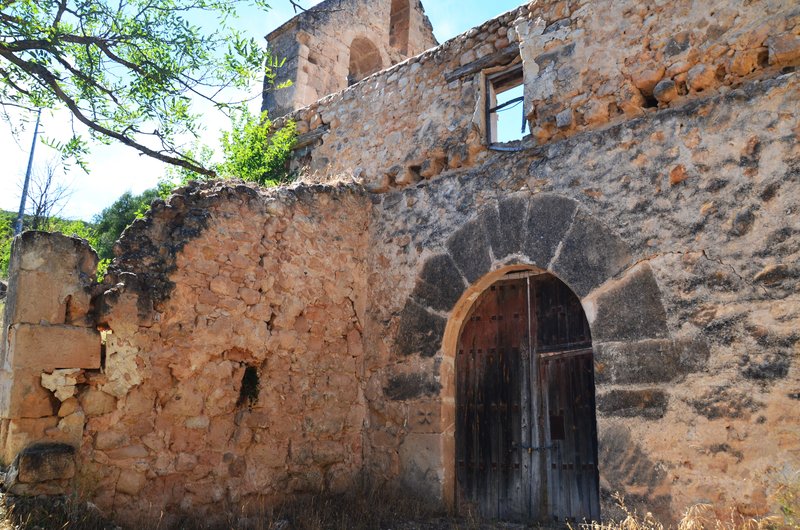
283, 28
419, 57
300, 17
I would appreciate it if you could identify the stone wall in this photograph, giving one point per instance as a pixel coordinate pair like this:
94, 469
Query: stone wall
586, 65
261, 344
233, 353
318, 46
690, 286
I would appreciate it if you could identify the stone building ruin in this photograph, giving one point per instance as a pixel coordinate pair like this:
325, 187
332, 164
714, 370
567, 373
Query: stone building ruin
609, 305
340, 42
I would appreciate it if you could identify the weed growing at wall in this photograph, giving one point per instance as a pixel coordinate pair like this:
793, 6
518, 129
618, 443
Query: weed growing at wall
788, 498
254, 154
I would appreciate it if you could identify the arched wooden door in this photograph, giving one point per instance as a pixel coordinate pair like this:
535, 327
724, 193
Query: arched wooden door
526, 436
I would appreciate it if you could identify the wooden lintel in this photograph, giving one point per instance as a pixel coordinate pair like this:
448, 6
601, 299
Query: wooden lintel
306, 139
501, 57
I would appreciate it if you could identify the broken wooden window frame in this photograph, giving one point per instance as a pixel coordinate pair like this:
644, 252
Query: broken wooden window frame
495, 84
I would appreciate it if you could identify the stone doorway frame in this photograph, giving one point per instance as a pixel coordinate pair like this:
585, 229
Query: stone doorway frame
524, 231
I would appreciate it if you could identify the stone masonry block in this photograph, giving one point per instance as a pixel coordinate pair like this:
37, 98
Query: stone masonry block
648, 361
34, 251
22, 395
24, 432
46, 348
470, 250
420, 457
424, 416
649, 403
39, 298
784, 49
43, 462
549, 218
403, 387
506, 225
590, 254
420, 331
440, 285
628, 309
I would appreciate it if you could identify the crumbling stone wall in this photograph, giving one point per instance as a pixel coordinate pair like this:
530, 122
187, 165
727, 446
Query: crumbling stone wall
49, 335
261, 344
317, 47
233, 352
585, 64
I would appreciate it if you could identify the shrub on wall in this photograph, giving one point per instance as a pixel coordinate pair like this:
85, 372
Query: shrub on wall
252, 153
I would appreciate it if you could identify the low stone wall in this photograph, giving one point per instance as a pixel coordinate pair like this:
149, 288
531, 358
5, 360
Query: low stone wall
586, 65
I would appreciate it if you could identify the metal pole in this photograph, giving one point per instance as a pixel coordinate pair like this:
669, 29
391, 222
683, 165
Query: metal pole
21, 214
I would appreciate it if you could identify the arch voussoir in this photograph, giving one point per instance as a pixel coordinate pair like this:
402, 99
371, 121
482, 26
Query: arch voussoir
506, 225
549, 219
420, 331
589, 255
469, 248
440, 284
628, 308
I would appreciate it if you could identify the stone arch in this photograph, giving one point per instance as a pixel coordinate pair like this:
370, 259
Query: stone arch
365, 60
399, 24
520, 232
545, 231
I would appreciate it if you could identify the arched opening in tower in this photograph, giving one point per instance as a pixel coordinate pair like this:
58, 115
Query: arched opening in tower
365, 60
399, 25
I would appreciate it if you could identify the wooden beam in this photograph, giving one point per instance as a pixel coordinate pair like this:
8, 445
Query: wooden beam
311, 137
504, 56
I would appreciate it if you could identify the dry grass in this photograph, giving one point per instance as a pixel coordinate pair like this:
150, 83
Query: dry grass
50, 513
370, 510
705, 517
383, 509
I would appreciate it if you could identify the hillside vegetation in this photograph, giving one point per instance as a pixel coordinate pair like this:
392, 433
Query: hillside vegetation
55, 224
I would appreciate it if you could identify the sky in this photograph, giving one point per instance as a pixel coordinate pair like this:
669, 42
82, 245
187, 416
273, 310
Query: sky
115, 169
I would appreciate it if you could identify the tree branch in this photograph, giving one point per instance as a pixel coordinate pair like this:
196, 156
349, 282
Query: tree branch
48, 79
297, 7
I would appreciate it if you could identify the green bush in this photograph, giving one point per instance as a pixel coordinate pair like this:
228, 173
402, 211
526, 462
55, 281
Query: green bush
109, 224
6, 237
252, 154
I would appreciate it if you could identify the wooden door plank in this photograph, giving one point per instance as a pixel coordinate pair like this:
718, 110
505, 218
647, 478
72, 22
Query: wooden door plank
518, 372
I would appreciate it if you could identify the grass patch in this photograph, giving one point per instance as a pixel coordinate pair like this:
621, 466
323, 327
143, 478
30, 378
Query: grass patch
372, 510
49, 513
705, 517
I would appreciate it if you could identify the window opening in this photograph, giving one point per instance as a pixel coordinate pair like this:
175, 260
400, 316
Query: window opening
399, 25
505, 106
365, 60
